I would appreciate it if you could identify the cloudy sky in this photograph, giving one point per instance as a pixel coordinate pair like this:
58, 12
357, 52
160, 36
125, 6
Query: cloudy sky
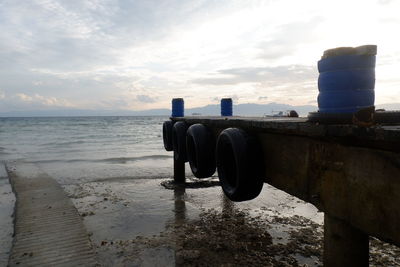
138, 54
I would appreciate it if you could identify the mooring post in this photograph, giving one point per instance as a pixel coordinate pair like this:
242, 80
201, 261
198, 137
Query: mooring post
178, 109
179, 171
344, 245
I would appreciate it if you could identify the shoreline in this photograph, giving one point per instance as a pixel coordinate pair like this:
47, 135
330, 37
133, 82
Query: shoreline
154, 222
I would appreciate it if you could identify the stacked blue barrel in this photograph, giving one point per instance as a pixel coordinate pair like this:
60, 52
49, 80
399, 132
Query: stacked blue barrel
346, 80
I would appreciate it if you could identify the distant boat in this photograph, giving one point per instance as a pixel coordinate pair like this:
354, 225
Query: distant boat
287, 113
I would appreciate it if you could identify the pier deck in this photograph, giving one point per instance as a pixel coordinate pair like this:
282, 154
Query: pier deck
351, 173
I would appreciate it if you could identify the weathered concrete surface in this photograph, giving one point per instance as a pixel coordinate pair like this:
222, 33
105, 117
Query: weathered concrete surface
349, 172
48, 228
358, 185
7, 201
385, 137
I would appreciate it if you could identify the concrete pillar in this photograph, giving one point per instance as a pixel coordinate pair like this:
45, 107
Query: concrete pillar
344, 245
179, 171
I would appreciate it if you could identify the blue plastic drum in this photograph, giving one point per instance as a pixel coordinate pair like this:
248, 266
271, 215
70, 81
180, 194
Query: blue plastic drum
346, 83
177, 107
226, 107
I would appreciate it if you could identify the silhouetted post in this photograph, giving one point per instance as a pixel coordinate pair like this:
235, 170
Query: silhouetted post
178, 109
344, 245
179, 171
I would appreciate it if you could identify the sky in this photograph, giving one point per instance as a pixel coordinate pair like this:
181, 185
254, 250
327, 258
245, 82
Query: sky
139, 54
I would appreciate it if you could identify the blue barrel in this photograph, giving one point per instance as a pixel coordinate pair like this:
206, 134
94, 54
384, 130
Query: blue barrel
177, 107
226, 107
346, 83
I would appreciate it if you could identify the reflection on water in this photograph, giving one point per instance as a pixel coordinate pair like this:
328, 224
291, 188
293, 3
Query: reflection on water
180, 206
180, 217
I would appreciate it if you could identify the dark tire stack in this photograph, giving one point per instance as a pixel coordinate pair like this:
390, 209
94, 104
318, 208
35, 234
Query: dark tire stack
200, 146
236, 155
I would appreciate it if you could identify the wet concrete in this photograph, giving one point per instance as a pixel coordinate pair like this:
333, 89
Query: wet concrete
7, 201
48, 228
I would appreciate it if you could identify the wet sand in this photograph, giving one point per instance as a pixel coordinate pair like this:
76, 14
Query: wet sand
153, 222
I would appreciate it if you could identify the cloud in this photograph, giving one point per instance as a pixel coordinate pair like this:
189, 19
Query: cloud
384, 2
142, 53
21, 101
145, 99
24, 97
234, 97
288, 38
279, 74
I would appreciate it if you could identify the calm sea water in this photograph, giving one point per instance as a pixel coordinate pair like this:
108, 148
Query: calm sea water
88, 148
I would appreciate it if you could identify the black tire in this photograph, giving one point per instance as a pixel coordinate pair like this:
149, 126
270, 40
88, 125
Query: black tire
179, 140
167, 135
239, 164
200, 151
293, 114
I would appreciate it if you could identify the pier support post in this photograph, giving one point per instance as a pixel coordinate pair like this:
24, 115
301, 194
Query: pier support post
179, 171
344, 245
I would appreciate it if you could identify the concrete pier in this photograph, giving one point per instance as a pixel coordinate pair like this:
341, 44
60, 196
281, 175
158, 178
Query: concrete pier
48, 228
351, 173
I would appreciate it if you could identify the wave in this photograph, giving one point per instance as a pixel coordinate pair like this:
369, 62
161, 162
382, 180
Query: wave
64, 143
128, 159
3, 151
118, 160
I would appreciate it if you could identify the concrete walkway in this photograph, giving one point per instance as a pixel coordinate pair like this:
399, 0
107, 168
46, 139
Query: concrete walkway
48, 228
7, 201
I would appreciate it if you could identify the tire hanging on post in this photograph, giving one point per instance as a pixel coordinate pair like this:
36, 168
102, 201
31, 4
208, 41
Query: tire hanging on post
239, 163
200, 150
167, 135
179, 140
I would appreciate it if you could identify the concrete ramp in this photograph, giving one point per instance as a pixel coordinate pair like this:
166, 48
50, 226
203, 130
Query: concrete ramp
48, 228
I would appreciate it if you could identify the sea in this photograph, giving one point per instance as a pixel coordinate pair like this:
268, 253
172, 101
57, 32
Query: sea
87, 148
118, 175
